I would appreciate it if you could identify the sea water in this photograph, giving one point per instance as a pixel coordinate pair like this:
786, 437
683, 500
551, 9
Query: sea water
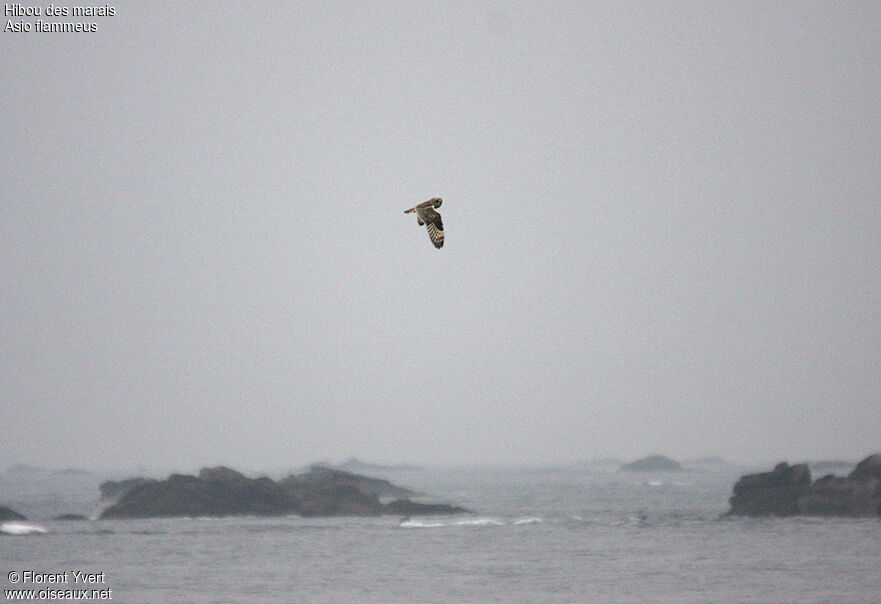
537, 535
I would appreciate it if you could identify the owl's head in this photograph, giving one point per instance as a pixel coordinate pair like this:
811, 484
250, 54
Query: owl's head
436, 202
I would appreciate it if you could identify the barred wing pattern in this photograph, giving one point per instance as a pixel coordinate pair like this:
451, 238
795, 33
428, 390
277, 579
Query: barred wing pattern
435, 226
426, 215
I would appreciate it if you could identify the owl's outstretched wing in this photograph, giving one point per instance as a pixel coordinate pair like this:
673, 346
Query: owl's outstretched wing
435, 226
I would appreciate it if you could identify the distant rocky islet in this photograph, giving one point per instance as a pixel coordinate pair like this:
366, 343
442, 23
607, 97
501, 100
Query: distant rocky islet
652, 463
220, 491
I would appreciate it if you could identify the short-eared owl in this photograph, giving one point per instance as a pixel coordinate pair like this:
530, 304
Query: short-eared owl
426, 215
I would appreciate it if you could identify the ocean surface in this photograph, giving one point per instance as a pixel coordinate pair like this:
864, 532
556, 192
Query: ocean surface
573, 534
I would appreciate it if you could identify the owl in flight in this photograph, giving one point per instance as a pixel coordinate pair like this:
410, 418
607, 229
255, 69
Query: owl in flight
426, 215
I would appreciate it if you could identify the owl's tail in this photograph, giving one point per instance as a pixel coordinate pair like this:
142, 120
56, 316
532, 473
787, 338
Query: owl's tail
413, 209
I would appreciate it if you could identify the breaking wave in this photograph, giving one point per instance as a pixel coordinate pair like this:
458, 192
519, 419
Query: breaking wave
529, 520
448, 522
21, 528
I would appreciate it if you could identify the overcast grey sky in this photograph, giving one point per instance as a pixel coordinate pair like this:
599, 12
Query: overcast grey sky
663, 233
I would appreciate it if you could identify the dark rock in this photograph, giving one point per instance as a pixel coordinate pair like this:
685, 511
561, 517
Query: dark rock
8, 514
330, 499
224, 492
216, 492
112, 490
377, 486
838, 496
788, 491
222, 475
653, 463
868, 469
324, 491
773, 493
76, 517
405, 507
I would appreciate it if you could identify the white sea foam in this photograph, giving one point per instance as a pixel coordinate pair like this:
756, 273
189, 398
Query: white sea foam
423, 523
21, 528
480, 522
529, 520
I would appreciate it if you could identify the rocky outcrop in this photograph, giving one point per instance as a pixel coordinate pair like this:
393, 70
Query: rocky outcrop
224, 492
839, 496
111, 490
70, 517
319, 474
788, 491
869, 469
215, 492
8, 514
774, 493
326, 492
653, 463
